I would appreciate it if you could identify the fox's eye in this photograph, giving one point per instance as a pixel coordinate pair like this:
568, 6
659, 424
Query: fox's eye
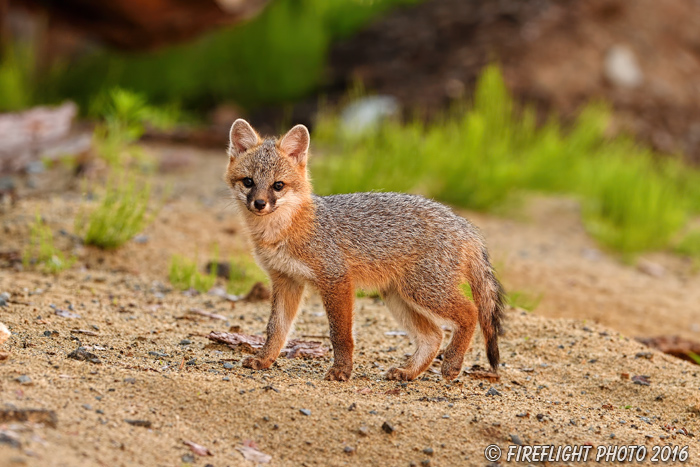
248, 182
277, 186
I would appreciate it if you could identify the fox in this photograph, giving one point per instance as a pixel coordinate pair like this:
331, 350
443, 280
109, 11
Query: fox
417, 253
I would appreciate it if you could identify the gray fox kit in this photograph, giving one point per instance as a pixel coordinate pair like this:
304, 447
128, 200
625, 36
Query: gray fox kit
416, 252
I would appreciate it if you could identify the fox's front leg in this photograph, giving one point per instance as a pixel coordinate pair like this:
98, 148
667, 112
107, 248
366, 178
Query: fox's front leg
339, 300
286, 296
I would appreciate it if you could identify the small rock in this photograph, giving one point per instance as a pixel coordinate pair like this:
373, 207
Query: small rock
306, 412
258, 292
425, 462
591, 254
228, 365
141, 239
158, 354
621, 67
83, 355
87, 406
428, 451
367, 112
222, 269
192, 362
642, 380
187, 458
349, 450
185, 342
493, 392
24, 379
516, 440
363, 431
388, 428
4, 333
142, 423
4, 298
9, 439
650, 268
352, 407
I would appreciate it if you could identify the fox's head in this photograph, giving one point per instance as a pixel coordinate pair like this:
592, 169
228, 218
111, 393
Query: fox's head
268, 175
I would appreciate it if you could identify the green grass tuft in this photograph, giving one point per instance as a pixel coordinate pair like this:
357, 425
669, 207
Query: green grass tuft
362, 293
467, 290
124, 117
277, 57
694, 357
525, 300
690, 246
17, 65
244, 274
42, 253
120, 215
184, 275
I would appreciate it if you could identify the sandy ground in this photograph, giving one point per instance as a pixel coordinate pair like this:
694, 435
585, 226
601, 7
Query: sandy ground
570, 374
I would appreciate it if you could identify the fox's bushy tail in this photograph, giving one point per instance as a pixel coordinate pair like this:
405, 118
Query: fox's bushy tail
490, 299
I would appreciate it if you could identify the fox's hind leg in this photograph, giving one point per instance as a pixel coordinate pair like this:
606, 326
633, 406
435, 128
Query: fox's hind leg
424, 331
463, 314
451, 306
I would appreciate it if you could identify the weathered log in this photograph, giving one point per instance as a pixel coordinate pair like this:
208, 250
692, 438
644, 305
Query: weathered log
38, 133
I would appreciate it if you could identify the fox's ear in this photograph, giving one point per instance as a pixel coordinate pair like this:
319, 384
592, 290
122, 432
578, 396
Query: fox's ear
242, 138
296, 144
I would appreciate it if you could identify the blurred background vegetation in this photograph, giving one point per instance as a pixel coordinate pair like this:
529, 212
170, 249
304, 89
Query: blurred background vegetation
276, 58
492, 129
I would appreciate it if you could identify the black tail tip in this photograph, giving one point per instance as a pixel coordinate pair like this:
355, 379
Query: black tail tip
492, 353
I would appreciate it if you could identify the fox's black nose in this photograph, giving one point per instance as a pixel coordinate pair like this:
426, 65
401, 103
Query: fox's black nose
259, 204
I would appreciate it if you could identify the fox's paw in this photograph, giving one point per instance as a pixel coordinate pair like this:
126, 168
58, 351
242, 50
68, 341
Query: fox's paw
338, 373
449, 372
256, 363
399, 374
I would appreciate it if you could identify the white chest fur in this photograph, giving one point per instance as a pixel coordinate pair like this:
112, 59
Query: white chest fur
279, 259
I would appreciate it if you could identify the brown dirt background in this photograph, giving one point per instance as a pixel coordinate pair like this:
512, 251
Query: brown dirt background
564, 379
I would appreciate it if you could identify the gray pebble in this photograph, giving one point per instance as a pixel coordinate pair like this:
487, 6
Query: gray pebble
23, 379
